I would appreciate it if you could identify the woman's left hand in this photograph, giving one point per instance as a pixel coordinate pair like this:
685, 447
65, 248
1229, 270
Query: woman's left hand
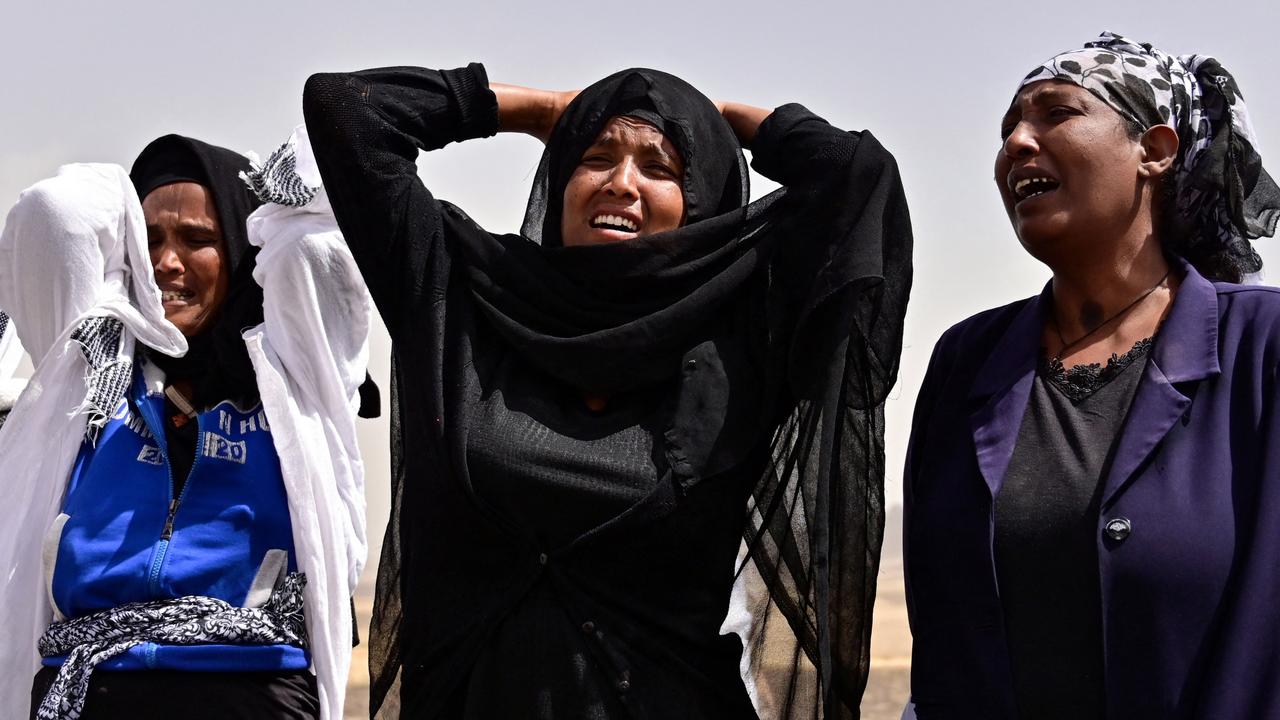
744, 119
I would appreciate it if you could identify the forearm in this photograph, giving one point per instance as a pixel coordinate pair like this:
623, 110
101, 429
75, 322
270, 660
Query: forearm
744, 119
796, 148
366, 131
429, 108
526, 110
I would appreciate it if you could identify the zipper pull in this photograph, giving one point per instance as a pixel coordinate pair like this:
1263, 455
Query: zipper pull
168, 521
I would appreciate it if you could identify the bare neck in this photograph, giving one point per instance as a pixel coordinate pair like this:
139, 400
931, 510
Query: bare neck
1094, 310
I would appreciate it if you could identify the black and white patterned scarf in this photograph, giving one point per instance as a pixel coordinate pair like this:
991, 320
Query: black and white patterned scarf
277, 180
1222, 188
109, 373
93, 639
4, 408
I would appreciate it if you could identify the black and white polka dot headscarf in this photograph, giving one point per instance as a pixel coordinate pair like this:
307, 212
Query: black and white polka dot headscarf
1222, 188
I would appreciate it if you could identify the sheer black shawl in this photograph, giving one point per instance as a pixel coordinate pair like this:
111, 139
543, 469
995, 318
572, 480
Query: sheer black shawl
823, 263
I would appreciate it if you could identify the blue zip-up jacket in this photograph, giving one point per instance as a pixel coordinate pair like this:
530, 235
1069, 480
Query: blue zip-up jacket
125, 537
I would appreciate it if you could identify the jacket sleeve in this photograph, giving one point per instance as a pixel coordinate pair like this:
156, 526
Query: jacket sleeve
918, 442
366, 130
843, 268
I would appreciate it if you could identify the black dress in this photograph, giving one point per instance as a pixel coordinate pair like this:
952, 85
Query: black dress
593, 583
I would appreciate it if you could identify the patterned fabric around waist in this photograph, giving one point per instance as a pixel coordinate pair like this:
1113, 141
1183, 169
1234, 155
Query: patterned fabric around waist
92, 639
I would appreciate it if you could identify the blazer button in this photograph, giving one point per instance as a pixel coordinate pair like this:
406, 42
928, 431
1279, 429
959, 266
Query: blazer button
624, 685
1118, 528
542, 557
588, 627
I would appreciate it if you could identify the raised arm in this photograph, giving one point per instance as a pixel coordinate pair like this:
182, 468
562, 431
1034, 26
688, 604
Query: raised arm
529, 110
744, 119
366, 129
316, 306
797, 149
57, 250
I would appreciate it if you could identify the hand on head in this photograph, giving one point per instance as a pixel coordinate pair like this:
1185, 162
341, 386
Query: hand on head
529, 110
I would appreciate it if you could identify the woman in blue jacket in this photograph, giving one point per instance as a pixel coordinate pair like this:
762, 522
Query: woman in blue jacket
1093, 479
203, 557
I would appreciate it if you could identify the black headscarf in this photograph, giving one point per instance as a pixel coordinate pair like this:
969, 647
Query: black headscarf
818, 273
608, 318
217, 361
715, 178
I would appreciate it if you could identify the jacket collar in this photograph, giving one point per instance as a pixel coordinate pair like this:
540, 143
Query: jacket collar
1015, 353
1001, 388
1186, 350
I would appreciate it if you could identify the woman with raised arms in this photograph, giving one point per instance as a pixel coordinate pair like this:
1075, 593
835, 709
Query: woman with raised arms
192, 520
593, 415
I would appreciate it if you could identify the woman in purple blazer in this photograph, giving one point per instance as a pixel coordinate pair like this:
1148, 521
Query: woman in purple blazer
1093, 480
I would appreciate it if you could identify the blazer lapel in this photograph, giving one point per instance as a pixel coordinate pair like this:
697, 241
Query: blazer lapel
1000, 392
1185, 351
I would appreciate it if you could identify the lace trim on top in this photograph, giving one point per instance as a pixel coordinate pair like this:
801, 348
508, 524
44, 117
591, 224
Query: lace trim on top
1084, 380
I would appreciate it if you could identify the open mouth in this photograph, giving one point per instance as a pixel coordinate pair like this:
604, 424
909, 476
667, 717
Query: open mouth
1027, 188
176, 296
614, 222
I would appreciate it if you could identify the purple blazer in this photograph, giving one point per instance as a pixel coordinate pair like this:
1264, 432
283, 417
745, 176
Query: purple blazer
1191, 587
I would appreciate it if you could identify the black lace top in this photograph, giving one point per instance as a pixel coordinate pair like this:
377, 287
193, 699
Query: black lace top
1046, 533
1083, 380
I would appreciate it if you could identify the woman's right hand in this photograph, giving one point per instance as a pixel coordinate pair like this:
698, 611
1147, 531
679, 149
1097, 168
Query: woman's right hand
560, 101
529, 110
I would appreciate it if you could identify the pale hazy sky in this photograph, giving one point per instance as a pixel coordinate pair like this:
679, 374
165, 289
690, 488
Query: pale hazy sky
91, 81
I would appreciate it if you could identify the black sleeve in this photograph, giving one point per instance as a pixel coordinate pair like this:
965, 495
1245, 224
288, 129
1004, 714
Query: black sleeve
844, 264
796, 148
366, 129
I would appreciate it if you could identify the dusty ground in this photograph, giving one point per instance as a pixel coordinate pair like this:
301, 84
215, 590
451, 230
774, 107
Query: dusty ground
890, 647
890, 681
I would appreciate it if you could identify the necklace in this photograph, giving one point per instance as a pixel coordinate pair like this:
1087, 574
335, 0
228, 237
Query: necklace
1068, 345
